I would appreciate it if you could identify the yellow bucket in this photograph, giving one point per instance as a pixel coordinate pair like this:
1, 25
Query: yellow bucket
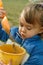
7, 53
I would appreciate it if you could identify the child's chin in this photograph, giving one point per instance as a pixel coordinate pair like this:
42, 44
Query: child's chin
23, 37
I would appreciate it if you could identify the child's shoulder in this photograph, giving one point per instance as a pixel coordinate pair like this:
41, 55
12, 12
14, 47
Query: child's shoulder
14, 29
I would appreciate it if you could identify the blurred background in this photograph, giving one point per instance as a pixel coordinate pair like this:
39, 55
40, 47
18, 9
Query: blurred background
13, 9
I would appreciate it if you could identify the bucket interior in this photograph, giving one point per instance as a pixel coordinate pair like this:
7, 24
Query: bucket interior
10, 49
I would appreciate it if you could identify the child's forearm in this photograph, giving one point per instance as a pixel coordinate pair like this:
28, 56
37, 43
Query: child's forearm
5, 25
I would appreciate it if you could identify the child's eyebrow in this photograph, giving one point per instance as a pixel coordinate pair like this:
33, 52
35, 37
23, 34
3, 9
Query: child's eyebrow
29, 25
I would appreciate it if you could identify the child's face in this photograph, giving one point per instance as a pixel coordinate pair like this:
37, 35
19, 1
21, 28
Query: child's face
27, 30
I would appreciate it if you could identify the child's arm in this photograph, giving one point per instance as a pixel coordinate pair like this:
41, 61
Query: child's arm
5, 25
3, 35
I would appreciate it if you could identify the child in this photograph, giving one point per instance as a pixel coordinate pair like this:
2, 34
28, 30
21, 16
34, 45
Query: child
28, 35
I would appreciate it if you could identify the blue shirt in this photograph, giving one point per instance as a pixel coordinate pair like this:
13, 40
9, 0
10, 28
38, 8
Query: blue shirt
33, 46
3, 35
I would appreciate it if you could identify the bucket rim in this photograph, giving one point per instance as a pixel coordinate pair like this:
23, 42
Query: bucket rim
24, 51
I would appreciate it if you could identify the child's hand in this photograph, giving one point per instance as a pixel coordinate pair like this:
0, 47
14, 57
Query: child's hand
2, 13
2, 63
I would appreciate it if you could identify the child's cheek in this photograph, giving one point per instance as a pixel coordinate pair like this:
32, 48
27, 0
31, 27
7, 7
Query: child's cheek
19, 29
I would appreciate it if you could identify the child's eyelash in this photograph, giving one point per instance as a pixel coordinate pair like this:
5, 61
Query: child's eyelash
29, 28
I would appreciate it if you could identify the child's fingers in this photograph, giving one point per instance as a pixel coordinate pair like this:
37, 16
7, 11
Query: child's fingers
2, 13
2, 63
10, 62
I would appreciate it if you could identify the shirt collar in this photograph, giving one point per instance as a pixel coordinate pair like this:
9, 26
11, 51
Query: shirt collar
36, 37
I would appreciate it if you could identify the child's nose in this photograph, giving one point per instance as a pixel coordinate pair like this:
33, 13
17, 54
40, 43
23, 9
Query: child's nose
23, 30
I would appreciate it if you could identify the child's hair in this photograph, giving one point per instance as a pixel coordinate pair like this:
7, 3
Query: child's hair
34, 14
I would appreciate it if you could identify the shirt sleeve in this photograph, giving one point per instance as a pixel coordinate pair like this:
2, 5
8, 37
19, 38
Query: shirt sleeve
3, 35
36, 56
34, 60
0, 26
36, 53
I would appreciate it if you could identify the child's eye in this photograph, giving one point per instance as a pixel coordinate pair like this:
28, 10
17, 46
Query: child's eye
21, 25
29, 28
